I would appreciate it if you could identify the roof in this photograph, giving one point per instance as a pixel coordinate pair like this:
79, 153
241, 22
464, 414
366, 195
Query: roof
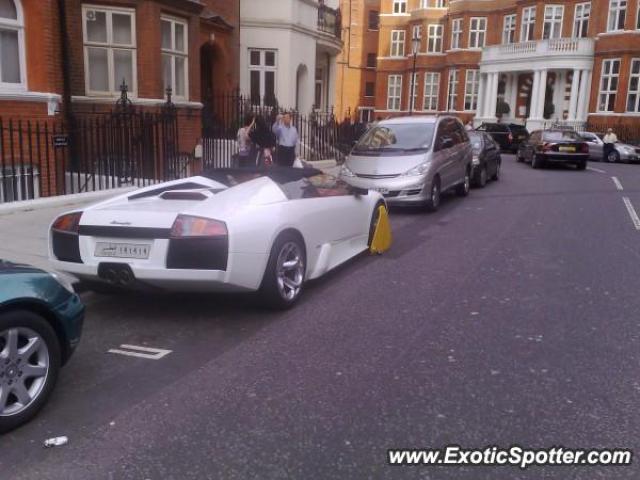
411, 119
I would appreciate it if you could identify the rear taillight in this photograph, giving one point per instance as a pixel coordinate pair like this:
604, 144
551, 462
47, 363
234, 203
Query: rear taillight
188, 226
546, 147
584, 148
69, 223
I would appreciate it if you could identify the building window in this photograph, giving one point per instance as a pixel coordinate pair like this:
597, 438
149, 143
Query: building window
416, 31
262, 76
394, 92
109, 49
175, 60
453, 90
617, 15
528, 24
369, 89
397, 43
509, 29
434, 4
552, 21
374, 20
399, 6
608, 85
472, 84
477, 32
633, 96
12, 75
366, 114
431, 91
413, 91
581, 20
372, 60
434, 44
456, 33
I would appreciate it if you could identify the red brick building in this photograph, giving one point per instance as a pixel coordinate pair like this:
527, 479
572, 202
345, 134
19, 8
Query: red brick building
527, 61
55, 52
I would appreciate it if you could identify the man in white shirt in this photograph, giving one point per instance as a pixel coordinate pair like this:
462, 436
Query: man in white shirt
287, 139
609, 140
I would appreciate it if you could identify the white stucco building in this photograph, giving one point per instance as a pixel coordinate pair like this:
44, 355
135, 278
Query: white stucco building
288, 50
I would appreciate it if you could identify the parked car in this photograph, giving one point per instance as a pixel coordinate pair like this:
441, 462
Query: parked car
554, 146
622, 152
265, 230
40, 325
486, 160
508, 135
412, 160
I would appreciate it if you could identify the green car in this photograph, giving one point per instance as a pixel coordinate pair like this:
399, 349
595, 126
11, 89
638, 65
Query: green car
40, 325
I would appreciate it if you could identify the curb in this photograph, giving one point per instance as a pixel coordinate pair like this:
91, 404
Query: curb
59, 201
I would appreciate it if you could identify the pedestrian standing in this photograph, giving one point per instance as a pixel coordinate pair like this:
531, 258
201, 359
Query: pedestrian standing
287, 140
265, 143
610, 139
245, 145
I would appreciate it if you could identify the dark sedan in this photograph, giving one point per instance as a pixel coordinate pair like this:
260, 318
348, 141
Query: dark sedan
486, 160
508, 136
554, 146
40, 326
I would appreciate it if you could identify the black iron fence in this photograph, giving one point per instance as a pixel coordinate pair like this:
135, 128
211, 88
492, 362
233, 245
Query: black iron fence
322, 135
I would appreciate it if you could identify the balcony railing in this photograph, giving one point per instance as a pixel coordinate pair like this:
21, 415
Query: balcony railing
330, 21
539, 48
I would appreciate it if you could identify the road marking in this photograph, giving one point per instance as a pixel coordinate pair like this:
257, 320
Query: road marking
596, 170
617, 183
141, 352
632, 212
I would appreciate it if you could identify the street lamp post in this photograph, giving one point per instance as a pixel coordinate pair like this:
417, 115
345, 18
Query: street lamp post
415, 48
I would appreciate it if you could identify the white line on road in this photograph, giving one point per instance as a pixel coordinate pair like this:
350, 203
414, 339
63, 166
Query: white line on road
596, 170
141, 352
617, 183
632, 212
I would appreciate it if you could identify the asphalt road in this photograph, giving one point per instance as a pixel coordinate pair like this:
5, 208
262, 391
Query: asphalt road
508, 317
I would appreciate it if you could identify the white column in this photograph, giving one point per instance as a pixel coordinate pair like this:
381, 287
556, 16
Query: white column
481, 95
493, 95
513, 95
584, 95
487, 96
542, 93
535, 89
558, 94
573, 102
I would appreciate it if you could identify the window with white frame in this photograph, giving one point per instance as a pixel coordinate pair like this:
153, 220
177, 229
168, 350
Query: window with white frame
397, 43
109, 49
617, 15
12, 75
416, 32
472, 84
608, 84
552, 21
399, 6
456, 33
509, 29
424, 4
412, 94
431, 91
263, 67
433, 3
452, 94
528, 24
477, 32
175, 59
394, 92
365, 114
434, 43
581, 20
633, 95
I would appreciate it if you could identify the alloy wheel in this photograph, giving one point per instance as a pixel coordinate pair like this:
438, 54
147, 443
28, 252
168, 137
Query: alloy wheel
290, 271
24, 367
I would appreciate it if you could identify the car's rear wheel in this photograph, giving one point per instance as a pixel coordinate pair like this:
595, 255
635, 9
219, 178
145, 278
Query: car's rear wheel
30, 359
581, 165
434, 196
462, 189
481, 180
496, 175
284, 278
613, 157
536, 161
519, 157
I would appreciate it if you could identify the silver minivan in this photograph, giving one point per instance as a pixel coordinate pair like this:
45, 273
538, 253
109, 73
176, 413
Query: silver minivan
412, 160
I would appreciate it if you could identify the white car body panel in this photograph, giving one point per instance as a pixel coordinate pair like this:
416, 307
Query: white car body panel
334, 228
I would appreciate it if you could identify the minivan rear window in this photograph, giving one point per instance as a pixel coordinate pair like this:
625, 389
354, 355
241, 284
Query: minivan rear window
399, 137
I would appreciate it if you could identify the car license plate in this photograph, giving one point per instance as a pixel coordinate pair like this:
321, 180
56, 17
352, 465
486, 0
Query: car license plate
567, 149
123, 250
382, 190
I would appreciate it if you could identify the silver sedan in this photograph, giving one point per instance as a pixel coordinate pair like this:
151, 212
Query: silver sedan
621, 152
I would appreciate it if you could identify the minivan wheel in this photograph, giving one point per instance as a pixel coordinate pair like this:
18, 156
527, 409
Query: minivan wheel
30, 359
434, 197
481, 181
462, 189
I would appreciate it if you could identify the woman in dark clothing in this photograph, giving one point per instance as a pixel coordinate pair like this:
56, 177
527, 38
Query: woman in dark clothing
265, 141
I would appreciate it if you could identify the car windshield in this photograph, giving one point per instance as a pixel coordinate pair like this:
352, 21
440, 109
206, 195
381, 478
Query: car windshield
398, 137
561, 135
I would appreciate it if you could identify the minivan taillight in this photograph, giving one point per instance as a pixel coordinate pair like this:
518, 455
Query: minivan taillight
188, 226
69, 223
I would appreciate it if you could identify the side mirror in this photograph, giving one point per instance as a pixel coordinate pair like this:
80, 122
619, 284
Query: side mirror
359, 191
446, 142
